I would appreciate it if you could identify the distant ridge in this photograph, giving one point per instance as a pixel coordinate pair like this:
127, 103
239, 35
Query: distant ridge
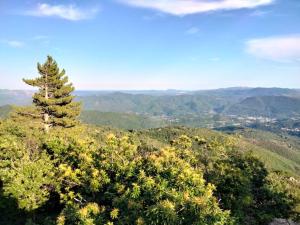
268, 106
245, 101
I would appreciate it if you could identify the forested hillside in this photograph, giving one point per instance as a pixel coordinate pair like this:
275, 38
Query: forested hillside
268, 106
121, 120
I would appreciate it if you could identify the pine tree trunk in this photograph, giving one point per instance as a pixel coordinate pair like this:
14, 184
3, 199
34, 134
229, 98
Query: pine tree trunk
46, 125
46, 115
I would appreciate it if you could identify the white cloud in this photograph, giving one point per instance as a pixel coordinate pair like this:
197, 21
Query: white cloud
185, 7
13, 43
282, 48
68, 12
192, 30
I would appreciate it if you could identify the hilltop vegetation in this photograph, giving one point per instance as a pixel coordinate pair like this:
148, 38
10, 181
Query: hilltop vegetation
282, 146
159, 176
279, 152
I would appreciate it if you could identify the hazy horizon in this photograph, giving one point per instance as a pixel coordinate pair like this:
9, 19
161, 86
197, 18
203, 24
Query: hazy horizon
162, 90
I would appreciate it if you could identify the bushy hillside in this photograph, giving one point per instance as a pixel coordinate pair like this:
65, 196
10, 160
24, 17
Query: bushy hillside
280, 152
159, 176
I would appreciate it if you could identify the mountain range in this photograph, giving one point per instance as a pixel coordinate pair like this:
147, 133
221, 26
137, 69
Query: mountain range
267, 102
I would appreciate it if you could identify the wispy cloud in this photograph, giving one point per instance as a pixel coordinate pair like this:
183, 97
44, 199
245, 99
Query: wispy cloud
185, 7
154, 16
281, 48
13, 43
192, 30
68, 12
41, 39
259, 13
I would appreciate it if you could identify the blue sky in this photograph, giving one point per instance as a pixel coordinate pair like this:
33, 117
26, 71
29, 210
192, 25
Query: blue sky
153, 44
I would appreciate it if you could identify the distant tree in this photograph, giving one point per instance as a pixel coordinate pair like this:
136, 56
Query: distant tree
54, 100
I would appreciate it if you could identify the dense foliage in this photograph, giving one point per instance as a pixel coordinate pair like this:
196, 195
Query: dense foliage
86, 175
116, 182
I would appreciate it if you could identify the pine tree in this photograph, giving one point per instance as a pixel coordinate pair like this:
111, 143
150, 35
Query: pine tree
54, 100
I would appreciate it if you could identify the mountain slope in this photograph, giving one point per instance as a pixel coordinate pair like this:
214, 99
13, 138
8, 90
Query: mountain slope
152, 105
121, 120
268, 106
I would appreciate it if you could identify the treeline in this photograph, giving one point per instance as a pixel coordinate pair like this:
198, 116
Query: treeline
54, 170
